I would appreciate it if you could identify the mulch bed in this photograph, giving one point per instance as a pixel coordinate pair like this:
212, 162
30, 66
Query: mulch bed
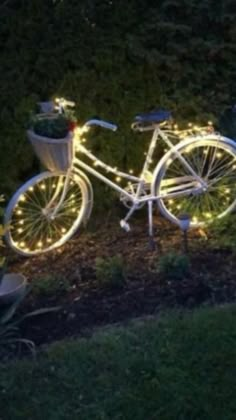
86, 305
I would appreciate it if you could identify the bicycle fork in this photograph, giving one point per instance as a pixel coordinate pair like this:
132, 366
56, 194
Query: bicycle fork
64, 187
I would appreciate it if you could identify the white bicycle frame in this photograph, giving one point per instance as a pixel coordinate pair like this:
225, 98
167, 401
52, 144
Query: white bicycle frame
188, 184
196, 173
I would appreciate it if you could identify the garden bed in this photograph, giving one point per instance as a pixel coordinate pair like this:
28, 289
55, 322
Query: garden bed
67, 278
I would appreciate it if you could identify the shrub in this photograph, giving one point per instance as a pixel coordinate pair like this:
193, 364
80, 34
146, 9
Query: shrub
110, 272
174, 266
2, 231
223, 232
49, 285
161, 62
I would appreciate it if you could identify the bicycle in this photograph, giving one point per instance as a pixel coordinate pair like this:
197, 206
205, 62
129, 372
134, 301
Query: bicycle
195, 177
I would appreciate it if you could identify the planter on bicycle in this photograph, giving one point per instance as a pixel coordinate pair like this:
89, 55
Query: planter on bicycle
54, 154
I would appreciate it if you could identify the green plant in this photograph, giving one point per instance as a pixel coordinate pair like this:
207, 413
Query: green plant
161, 62
2, 231
110, 272
10, 338
53, 125
223, 232
174, 266
2, 258
173, 366
50, 284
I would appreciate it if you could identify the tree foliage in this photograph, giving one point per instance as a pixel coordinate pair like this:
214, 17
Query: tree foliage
115, 59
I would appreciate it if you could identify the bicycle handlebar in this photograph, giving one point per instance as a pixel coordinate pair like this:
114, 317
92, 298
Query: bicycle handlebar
101, 123
64, 102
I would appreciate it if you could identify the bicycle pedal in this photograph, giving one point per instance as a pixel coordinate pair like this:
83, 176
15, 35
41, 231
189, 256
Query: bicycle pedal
124, 225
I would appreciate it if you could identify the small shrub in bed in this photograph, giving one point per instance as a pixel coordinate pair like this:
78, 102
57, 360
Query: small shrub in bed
49, 285
110, 272
223, 232
174, 266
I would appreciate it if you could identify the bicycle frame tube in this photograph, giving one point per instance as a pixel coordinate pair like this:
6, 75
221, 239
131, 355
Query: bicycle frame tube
191, 186
140, 180
63, 193
99, 163
147, 161
103, 178
157, 132
180, 157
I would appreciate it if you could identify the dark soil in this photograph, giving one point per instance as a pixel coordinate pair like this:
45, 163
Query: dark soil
86, 304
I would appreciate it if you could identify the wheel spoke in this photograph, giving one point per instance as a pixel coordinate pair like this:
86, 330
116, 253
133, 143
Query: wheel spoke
32, 227
215, 163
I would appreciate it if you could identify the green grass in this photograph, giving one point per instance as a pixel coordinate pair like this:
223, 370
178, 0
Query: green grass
174, 367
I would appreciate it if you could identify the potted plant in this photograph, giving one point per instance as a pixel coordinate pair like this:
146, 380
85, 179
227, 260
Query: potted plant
11, 339
12, 285
13, 290
51, 134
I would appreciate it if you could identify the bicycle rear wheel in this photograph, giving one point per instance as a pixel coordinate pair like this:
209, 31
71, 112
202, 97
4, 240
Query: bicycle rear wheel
214, 160
31, 226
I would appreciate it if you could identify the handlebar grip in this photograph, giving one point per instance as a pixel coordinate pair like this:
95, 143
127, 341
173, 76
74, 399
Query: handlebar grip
64, 102
101, 123
109, 126
69, 103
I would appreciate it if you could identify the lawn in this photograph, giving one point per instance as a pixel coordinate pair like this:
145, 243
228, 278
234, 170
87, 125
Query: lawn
175, 366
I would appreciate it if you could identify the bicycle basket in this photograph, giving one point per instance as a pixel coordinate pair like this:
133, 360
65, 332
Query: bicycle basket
54, 154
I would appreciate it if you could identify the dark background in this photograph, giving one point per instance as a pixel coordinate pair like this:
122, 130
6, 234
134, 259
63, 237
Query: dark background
115, 59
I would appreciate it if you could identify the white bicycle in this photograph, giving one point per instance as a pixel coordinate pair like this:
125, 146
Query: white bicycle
195, 177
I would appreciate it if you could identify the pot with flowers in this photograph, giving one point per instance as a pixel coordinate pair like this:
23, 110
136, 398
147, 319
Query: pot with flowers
51, 134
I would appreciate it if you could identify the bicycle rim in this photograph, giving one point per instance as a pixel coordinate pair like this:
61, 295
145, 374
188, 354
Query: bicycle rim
215, 162
31, 227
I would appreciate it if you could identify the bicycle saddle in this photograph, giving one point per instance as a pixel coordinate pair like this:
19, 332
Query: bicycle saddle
155, 116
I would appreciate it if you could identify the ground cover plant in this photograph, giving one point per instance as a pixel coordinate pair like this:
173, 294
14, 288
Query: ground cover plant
110, 272
171, 367
223, 232
174, 266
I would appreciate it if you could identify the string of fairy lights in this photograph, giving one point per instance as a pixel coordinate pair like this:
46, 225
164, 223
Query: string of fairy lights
79, 140
174, 206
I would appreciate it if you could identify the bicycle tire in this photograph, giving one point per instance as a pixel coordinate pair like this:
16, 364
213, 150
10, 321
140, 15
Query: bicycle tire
29, 230
221, 188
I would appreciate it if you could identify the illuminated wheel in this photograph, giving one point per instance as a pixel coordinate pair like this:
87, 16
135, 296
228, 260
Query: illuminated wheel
35, 219
214, 160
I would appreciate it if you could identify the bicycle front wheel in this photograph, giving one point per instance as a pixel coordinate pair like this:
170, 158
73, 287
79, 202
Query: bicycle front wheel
32, 226
214, 161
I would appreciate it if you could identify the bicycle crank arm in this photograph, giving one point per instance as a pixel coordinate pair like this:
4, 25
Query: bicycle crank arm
125, 226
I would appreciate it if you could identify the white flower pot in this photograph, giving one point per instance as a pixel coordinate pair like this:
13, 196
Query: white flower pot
55, 154
12, 287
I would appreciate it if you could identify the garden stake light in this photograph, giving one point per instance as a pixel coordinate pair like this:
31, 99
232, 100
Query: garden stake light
184, 226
